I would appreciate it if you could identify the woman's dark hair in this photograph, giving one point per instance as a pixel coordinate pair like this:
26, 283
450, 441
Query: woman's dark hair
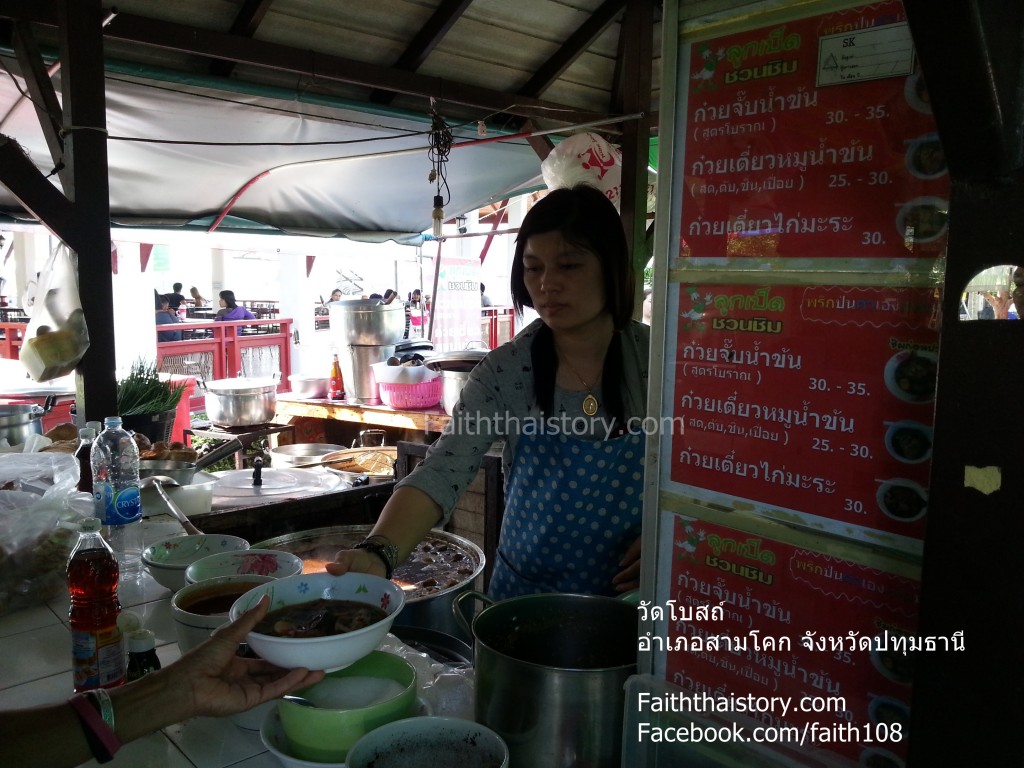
586, 219
229, 298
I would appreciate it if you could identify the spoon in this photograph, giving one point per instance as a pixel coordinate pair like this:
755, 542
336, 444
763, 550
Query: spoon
299, 700
158, 482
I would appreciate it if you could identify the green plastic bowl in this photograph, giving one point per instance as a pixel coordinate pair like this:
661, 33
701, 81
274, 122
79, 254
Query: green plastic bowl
349, 705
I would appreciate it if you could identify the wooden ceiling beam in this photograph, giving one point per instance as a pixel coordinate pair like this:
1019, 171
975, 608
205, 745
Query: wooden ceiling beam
245, 25
578, 42
140, 30
424, 42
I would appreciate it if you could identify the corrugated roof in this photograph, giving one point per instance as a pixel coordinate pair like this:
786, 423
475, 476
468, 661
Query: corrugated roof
300, 71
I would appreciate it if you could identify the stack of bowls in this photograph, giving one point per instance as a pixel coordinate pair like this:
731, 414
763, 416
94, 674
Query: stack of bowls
167, 560
347, 704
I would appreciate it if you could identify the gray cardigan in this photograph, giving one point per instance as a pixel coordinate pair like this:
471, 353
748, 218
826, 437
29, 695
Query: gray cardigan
497, 401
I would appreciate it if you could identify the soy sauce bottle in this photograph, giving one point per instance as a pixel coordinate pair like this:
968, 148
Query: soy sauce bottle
142, 658
97, 650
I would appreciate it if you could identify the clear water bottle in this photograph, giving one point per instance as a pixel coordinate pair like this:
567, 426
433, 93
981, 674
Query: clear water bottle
115, 483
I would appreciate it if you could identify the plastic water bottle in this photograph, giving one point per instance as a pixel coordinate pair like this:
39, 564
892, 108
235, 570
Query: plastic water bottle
115, 483
97, 650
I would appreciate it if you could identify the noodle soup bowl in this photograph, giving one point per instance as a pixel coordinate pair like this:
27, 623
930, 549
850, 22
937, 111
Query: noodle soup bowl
331, 651
200, 608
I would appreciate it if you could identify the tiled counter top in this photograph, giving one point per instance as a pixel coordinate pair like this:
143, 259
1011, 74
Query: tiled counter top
35, 669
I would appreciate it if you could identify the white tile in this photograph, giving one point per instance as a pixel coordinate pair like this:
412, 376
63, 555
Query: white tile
27, 619
34, 654
47, 690
154, 751
214, 742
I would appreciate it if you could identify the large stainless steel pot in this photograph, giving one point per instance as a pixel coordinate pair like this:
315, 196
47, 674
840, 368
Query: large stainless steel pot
366, 322
454, 368
549, 672
434, 611
241, 402
19, 421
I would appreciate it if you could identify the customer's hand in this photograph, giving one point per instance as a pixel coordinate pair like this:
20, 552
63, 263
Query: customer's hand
629, 577
357, 561
222, 683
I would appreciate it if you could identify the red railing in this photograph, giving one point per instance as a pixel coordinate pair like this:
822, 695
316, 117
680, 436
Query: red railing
221, 350
12, 336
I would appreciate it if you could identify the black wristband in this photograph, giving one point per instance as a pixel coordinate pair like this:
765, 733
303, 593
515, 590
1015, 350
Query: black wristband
387, 553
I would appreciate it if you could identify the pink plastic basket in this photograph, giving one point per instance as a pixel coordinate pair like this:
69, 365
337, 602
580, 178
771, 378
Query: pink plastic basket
426, 394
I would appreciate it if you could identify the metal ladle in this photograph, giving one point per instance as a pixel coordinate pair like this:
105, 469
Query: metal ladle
158, 482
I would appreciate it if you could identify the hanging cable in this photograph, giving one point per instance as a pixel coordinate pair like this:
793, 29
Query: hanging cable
440, 147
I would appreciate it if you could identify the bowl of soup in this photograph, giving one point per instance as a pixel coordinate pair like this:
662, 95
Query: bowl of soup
320, 621
200, 608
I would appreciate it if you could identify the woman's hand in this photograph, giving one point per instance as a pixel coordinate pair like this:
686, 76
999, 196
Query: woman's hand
629, 577
357, 561
220, 682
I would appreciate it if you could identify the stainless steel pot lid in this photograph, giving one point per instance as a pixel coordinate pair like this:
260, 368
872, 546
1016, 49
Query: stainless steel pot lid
239, 386
276, 482
462, 360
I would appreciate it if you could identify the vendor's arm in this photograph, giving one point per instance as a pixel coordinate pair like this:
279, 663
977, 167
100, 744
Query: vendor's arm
210, 680
406, 519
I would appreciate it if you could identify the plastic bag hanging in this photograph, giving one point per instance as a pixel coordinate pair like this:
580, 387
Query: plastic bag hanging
57, 336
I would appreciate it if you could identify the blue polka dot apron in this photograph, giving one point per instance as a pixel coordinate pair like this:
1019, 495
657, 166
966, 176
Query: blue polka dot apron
572, 508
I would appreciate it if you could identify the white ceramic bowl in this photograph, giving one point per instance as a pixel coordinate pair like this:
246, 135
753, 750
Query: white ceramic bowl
332, 651
402, 374
195, 611
264, 562
167, 560
424, 741
273, 737
196, 498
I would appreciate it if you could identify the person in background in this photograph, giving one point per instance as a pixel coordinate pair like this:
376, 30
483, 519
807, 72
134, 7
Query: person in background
415, 298
229, 309
390, 295
376, 297
210, 680
335, 295
567, 395
485, 300
164, 316
175, 298
197, 298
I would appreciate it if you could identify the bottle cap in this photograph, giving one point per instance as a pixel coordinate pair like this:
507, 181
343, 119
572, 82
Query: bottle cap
128, 622
141, 640
90, 525
86, 433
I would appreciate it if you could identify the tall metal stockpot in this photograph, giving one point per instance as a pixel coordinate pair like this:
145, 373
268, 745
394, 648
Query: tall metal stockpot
19, 421
549, 675
241, 402
366, 322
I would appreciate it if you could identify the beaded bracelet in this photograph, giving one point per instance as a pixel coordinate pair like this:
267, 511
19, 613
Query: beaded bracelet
96, 713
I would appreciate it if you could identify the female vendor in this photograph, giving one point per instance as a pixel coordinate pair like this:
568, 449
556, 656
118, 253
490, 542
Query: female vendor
566, 395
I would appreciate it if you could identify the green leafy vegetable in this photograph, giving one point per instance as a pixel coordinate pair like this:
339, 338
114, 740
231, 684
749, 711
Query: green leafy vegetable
143, 391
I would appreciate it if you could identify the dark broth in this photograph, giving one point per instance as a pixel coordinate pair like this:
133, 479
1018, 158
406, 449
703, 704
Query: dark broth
319, 618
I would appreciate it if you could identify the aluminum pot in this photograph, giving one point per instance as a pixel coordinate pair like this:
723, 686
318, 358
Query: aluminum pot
241, 402
454, 368
313, 387
19, 421
549, 672
433, 611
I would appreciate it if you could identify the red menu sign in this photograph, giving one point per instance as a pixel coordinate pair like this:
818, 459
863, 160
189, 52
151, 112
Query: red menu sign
817, 399
812, 138
807, 630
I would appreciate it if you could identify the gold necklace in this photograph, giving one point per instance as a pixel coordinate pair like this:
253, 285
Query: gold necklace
590, 404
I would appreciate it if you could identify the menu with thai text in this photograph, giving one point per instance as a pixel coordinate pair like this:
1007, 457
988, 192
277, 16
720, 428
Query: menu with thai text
816, 399
777, 633
812, 138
